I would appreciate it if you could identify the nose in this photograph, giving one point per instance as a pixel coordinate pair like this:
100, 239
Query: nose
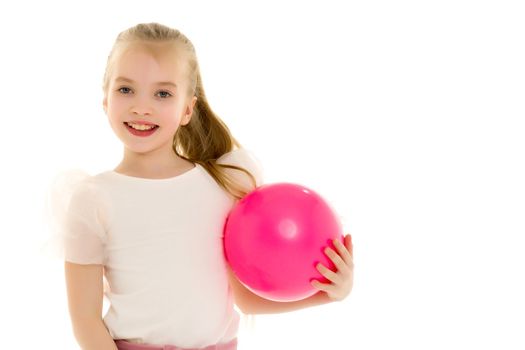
141, 112
141, 106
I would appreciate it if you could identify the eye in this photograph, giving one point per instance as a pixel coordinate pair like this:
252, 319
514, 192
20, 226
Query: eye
166, 92
162, 91
123, 88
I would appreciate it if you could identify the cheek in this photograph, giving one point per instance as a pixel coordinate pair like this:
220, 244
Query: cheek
171, 123
116, 103
117, 125
169, 115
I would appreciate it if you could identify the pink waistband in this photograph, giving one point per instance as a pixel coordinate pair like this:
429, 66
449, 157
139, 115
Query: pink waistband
125, 345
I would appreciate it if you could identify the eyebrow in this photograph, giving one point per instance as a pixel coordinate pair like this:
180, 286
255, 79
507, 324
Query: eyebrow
158, 83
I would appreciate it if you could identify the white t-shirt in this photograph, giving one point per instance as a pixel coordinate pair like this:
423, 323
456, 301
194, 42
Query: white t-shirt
161, 244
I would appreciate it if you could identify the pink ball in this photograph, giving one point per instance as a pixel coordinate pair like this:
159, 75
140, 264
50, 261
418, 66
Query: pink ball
275, 236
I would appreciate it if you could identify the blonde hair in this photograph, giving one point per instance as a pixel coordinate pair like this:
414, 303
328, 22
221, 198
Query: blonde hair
206, 137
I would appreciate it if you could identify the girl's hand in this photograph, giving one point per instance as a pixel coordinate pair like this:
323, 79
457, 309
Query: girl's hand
343, 279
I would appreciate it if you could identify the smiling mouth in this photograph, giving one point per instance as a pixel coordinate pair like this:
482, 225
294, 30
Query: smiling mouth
154, 125
137, 132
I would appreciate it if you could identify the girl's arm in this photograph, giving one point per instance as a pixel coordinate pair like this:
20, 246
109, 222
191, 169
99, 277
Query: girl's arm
339, 286
250, 303
85, 296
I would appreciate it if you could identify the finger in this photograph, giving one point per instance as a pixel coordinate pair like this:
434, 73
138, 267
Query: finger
349, 245
321, 286
339, 263
329, 274
343, 251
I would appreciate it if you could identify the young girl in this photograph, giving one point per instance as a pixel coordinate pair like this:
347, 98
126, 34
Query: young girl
148, 234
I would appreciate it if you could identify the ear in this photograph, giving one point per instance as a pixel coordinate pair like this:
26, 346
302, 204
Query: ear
105, 104
189, 111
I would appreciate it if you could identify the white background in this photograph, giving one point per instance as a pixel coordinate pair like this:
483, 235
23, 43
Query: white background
407, 116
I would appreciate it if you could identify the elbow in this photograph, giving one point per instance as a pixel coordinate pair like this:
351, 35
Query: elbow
242, 305
83, 327
251, 304
246, 310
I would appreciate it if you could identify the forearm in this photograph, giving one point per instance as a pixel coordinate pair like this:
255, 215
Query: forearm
92, 334
258, 305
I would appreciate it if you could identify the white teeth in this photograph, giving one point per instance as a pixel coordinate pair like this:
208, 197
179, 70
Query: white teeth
140, 126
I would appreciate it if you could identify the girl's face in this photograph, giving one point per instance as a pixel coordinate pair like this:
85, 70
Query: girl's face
148, 89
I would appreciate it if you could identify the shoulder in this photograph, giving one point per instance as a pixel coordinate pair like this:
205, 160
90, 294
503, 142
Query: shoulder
73, 187
246, 159
240, 156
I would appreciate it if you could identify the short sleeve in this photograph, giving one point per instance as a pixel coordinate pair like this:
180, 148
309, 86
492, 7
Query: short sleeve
74, 211
246, 159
